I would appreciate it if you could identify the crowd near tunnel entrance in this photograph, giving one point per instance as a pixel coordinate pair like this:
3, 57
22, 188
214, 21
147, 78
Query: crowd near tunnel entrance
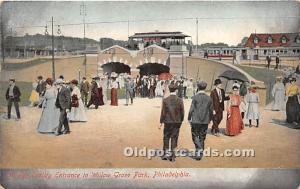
116, 67
153, 69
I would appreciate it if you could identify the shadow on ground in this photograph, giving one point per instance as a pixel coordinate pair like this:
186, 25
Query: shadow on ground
281, 122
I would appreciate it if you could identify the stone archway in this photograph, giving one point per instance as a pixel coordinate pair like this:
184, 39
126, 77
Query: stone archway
153, 69
117, 67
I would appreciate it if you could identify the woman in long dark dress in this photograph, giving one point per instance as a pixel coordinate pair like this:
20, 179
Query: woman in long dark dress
94, 95
114, 92
292, 105
100, 92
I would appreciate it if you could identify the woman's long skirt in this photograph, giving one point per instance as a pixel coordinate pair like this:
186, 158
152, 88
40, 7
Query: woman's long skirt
292, 109
114, 97
234, 123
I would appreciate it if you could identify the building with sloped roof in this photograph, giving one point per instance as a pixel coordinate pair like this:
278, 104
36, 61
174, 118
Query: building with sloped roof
264, 44
163, 39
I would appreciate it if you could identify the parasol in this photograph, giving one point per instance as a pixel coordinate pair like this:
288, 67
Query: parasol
234, 75
164, 76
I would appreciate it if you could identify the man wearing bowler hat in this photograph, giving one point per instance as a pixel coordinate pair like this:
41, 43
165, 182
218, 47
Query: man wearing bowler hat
200, 115
172, 114
218, 97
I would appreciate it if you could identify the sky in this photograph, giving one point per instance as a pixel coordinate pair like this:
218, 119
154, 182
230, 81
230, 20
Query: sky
218, 21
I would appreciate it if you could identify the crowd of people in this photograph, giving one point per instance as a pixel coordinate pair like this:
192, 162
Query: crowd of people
205, 109
63, 102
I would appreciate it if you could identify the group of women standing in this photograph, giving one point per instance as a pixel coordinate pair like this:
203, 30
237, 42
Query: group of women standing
49, 120
286, 98
239, 106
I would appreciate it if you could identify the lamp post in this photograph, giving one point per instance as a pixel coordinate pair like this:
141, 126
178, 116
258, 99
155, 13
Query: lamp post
83, 13
79, 75
53, 64
182, 65
196, 36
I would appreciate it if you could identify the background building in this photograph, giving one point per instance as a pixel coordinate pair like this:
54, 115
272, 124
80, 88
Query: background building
282, 44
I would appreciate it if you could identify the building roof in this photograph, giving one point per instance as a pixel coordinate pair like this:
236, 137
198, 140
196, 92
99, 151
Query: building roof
131, 52
291, 40
153, 46
159, 34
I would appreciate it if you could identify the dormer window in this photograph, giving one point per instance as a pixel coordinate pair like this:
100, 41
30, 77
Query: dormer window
298, 39
270, 39
255, 40
283, 39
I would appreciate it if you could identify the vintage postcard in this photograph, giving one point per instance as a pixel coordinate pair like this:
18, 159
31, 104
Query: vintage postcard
150, 94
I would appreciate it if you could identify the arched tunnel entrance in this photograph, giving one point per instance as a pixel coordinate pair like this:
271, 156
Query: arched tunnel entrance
117, 67
153, 69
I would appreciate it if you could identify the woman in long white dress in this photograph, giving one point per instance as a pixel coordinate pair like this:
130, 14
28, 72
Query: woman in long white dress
278, 92
190, 89
104, 88
159, 89
253, 107
77, 110
49, 120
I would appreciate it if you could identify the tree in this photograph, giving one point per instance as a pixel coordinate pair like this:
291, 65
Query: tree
243, 42
3, 31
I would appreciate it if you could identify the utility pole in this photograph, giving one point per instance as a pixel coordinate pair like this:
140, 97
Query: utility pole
83, 13
182, 65
128, 29
11, 42
53, 65
2, 41
196, 35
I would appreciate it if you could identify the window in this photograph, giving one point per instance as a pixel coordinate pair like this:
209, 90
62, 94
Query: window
283, 39
269, 39
255, 40
298, 39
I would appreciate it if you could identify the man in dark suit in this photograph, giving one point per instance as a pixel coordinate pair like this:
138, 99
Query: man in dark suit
84, 89
63, 102
129, 90
41, 87
13, 96
277, 62
218, 97
172, 114
200, 115
268, 59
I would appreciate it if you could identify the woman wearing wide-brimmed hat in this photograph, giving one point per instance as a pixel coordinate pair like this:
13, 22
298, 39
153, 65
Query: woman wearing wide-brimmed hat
95, 96
49, 120
278, 92
292, 105
114, 89
253, 106
77, 108
234, 123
